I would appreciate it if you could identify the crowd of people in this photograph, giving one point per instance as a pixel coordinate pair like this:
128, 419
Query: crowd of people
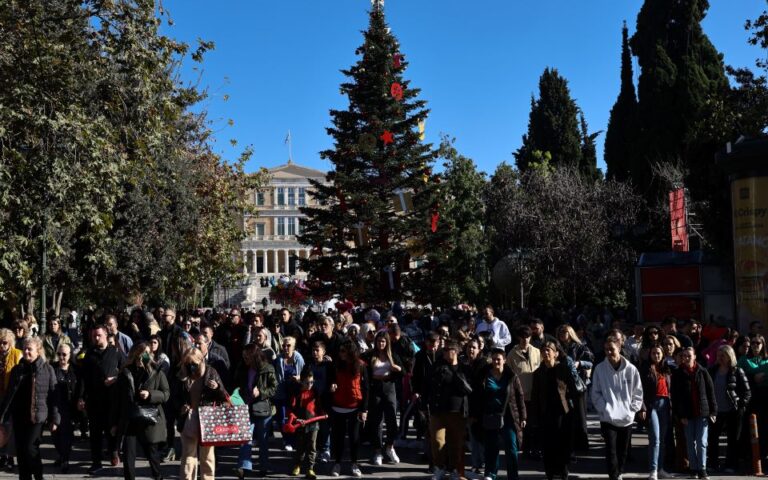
449, 379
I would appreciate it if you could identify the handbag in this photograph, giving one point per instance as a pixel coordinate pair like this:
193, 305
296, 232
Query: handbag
224, 425
144, 415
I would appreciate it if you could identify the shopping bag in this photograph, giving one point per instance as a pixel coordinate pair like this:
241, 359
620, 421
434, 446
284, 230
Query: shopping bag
224, 425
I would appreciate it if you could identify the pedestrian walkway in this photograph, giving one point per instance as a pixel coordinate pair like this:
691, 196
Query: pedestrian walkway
412, 465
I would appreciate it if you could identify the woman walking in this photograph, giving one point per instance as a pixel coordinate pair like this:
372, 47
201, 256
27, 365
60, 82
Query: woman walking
384, 369
200, 386
30, 403
733, 397
10, 356
66, 400
551, 409
656, 376
138, 414
349, 405
258, 383
503, 415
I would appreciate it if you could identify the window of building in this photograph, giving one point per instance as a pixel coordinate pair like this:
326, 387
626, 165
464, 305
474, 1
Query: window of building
280, 196
302, 196
291, 225
281, 225
298, 226
291, 196
260, 198
260, 229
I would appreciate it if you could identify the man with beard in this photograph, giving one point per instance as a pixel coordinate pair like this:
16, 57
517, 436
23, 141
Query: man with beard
99, 373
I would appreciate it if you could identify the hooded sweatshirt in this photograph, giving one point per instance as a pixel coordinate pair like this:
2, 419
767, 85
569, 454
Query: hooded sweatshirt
617, 394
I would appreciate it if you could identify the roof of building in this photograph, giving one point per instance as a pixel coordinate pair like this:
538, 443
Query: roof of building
292, 170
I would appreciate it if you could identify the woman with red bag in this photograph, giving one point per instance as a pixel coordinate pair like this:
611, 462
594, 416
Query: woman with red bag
200, 385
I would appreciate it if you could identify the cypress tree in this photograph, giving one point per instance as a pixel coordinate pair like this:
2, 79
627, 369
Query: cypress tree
682, 79
622, 133
553, 125
361, 236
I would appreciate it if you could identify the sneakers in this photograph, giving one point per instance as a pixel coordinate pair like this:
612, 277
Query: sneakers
377, 459
356, 472
324, 457
311, 475
336, 470
391, 455
653, 476
288, 448
94, 469
663, 475
487, 478
703, 475
296, 471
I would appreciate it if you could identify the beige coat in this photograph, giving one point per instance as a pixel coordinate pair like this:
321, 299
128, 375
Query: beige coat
523, 367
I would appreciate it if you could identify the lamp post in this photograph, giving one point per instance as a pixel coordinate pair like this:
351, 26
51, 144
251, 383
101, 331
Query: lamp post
43, 275
520, 257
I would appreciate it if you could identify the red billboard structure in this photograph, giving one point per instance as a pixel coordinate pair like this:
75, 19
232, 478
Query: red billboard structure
678, 220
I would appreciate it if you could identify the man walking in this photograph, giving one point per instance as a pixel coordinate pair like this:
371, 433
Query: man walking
617, 394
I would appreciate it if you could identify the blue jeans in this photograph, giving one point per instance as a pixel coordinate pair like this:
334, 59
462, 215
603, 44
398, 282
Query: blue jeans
509, 436
658, 424
696, 434
259, 437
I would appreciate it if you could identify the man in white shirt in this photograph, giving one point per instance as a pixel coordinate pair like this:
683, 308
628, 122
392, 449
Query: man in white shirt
500, 336
617, 394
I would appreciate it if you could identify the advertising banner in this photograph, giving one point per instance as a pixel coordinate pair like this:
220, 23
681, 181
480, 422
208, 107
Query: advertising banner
749, 198
678, 221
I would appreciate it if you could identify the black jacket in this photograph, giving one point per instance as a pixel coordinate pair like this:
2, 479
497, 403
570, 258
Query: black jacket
682, 395
737, 387
98, 365
422, 367
649, 381
126, 397
44, 406
449, 389
66, 390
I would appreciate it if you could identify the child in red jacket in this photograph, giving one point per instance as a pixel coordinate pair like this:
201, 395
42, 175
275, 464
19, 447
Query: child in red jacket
303, 405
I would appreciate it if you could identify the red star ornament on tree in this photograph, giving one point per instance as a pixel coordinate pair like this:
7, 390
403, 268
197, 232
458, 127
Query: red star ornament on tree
397, 91
387, 137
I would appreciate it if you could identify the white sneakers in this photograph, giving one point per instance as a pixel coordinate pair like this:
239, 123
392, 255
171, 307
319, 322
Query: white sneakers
336, 470
377, 459
653, 476
356, 472
390, 453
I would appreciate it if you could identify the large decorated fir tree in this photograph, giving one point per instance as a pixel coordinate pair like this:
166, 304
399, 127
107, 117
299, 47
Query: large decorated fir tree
379, 209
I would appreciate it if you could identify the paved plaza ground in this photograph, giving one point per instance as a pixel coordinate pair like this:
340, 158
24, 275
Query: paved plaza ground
589, 466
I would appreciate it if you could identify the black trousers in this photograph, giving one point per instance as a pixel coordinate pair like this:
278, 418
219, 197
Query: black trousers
129, 457
616, 447
731, 422
27, 436
554, 431
170, 424
97, 421
383, 407
344, 424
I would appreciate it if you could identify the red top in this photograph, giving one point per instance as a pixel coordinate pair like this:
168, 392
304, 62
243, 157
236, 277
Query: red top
662, 389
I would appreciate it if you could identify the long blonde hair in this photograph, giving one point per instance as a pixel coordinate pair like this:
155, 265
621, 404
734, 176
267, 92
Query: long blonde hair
388, 350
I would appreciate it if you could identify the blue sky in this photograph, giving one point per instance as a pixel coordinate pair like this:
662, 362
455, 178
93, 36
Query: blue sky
477, 63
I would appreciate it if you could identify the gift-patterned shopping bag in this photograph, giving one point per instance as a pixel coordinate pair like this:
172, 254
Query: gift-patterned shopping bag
224, 425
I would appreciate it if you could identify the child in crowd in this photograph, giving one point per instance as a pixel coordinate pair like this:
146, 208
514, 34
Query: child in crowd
303, 404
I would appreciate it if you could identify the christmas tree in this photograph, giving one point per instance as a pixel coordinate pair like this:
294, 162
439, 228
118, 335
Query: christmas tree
379, 209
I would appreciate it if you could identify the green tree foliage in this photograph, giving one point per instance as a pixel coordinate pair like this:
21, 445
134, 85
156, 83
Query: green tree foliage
553, 126
623, 128
104, 160
458, 270
569, 229
367, 170
681, 90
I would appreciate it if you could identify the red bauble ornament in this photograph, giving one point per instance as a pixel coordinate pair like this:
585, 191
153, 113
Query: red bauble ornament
387, 137
397, 91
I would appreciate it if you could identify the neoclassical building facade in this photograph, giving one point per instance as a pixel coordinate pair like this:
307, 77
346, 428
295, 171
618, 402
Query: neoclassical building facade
271, 248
